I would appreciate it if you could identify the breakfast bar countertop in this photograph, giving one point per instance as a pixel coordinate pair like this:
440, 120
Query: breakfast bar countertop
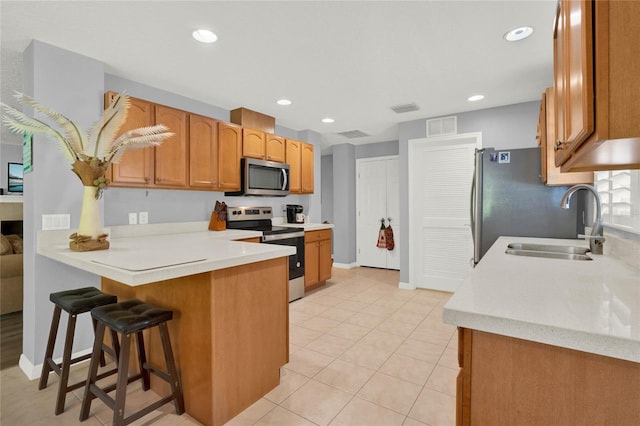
591, 306
161, 252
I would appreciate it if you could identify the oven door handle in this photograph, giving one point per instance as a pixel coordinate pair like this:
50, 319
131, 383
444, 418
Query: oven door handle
276, 237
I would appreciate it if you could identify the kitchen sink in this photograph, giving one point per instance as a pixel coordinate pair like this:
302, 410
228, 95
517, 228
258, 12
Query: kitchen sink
548, 251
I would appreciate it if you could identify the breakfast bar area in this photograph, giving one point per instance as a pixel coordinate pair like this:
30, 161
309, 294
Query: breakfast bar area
230, 326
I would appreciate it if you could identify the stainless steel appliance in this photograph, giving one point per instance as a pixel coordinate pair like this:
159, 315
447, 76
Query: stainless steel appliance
508, 198
294, 213
259, 219
260, 177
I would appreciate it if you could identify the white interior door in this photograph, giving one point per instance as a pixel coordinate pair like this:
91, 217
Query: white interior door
376, 198
440, 243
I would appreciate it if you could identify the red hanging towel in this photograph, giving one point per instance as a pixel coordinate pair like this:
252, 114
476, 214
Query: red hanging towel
382, 239
388, 234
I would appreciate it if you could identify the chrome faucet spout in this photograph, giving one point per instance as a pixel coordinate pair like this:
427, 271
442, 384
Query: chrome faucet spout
596, 240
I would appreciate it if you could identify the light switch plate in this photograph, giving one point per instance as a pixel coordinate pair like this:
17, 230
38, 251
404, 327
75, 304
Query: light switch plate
144, 218
51, 222
133, 219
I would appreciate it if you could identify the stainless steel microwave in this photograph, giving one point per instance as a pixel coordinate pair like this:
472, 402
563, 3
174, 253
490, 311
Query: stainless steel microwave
260, 177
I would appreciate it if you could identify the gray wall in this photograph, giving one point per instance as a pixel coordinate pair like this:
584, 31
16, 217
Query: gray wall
72, 85
9, 153
344, 203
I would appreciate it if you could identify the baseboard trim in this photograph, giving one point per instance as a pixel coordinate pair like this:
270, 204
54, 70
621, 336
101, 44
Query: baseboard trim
406, 286
345, 265
33, 371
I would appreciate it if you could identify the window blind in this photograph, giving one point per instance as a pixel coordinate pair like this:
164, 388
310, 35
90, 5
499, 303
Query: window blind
620, 194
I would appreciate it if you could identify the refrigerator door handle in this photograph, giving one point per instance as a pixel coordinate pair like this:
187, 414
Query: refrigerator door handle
476, 205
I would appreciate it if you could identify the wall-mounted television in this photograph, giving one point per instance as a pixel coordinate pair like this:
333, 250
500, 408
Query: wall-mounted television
15, 178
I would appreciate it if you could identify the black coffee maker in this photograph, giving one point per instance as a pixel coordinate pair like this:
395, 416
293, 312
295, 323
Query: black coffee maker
294, 213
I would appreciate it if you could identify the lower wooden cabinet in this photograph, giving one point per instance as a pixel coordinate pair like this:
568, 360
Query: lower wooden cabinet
317, 258
509, 381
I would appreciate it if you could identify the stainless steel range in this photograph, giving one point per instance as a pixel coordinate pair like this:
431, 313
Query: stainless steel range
259, 219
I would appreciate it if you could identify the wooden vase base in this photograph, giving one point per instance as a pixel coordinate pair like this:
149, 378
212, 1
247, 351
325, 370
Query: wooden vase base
85, 243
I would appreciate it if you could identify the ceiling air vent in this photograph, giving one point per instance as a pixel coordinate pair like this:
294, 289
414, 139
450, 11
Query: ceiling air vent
442, 126
351, 134
405, 108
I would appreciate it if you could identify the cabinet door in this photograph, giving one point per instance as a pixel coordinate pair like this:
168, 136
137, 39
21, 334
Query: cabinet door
229, 154
136, 165
324, 260
293, 157
203, 152
558, 86
253, 143
171, 156
579, 72
275, 148
306, 168
311, 266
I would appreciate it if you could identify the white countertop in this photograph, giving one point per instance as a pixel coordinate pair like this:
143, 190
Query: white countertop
137, 258
591, 306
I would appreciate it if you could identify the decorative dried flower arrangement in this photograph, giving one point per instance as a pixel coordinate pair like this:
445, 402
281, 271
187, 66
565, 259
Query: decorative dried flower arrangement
90, 154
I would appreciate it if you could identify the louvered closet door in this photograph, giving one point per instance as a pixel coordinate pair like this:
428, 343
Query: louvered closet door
440, 245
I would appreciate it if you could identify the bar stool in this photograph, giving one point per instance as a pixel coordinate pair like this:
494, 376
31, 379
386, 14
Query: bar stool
73, 302
127, 318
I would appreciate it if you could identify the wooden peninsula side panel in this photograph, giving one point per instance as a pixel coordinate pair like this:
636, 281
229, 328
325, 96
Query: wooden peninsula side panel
229, 333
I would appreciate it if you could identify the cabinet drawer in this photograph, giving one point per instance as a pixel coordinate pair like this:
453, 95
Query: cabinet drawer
312, 236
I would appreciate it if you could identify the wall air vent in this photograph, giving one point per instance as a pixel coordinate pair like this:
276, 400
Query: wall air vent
442, 126
351, 134
400, 109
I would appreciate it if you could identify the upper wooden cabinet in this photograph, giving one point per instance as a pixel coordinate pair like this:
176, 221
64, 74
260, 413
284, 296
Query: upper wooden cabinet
215, 152
293, 158
551, 174
253, 143
171, 157
306, 168
299, 156
596, 58
229, 154
136, 167
275, 148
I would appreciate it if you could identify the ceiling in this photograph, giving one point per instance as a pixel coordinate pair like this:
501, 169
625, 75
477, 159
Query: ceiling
347, 60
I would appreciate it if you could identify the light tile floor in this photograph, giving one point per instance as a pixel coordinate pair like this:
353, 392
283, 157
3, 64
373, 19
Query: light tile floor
362, 352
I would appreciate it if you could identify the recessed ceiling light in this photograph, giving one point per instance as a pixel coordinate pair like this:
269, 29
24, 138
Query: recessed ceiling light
518, 34
204, 36
475, 98
283, 102
327, 120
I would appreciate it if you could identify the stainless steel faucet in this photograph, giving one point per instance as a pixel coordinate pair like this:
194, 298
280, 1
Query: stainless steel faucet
596, 240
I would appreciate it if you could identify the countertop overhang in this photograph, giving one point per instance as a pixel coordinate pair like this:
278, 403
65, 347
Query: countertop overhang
137, 259
591, 306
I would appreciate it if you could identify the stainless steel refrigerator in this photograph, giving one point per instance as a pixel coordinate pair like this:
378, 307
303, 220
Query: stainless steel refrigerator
508, 198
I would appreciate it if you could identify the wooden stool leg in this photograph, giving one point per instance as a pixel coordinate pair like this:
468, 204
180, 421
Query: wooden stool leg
115, 342
123, 380
48, 353
102, 360
142, 361
176, 386
93, 373
65, 366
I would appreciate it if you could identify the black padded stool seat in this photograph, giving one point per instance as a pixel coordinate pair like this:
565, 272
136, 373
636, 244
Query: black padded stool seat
81, 300
73, 302
128, 318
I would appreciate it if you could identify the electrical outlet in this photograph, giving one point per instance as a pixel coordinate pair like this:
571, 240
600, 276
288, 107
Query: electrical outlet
144, 218
51, 222
133, 219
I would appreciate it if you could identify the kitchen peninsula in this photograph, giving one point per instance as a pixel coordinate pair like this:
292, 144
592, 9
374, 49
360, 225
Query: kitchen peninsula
230, 327
548, 341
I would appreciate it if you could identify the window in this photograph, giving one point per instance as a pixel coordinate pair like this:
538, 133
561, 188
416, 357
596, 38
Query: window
620, 194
